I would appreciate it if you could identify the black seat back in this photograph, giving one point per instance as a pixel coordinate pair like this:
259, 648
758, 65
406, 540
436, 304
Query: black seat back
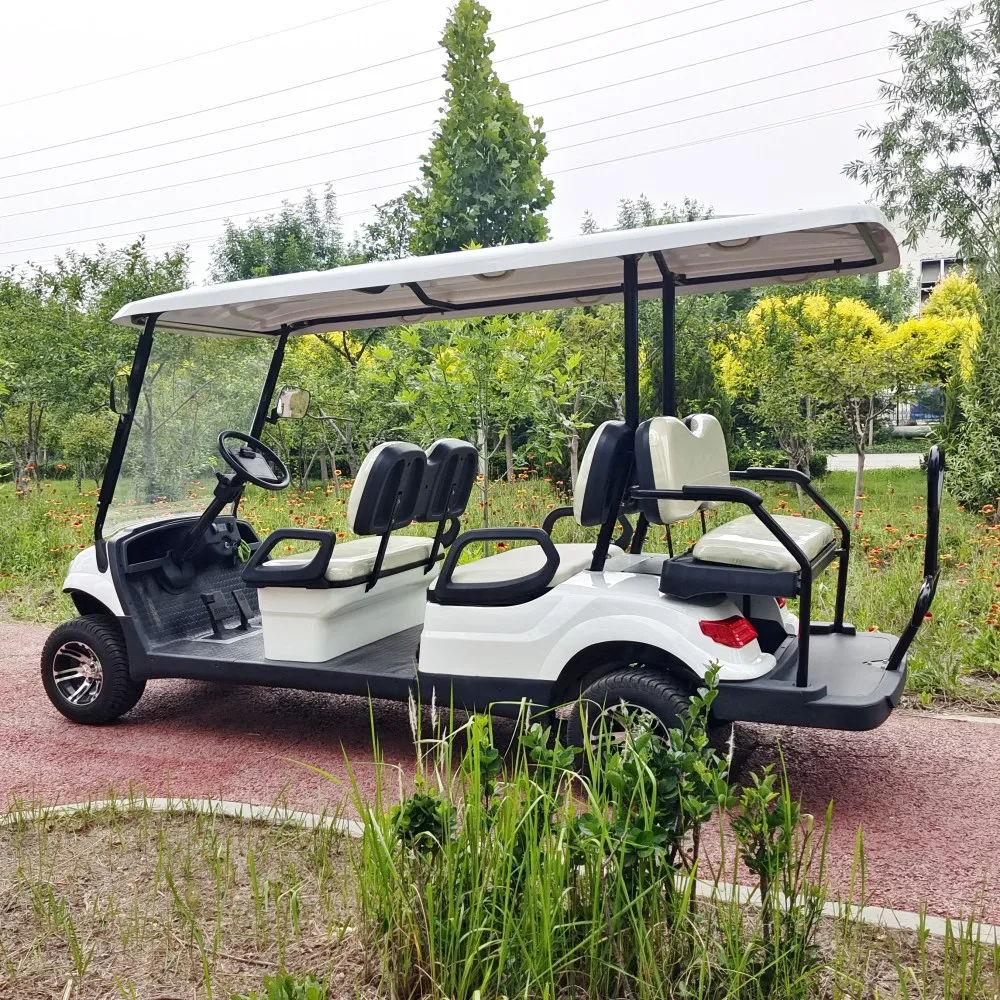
386, 489
448, 480
603, 474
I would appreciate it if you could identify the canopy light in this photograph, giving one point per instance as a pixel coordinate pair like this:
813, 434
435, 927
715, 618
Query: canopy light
735, 632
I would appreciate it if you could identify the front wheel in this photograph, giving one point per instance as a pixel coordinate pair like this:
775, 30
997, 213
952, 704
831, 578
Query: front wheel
85, 671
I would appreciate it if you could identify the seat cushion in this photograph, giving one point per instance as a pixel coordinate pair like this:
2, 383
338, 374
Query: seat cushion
354, 560
526, 559
745, 541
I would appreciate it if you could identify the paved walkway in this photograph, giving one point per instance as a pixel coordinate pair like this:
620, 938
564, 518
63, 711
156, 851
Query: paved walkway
849, 462
925, 791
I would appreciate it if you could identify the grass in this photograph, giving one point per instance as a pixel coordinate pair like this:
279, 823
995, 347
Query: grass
956, 657
127, 902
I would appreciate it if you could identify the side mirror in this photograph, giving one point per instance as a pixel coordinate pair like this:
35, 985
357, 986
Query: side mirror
119, 395
293, 404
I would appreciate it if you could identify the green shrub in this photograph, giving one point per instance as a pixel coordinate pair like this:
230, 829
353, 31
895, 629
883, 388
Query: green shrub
516, 876
283, 986
973, 475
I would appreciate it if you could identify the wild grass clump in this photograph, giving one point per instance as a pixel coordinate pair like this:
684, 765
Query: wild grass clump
514, 875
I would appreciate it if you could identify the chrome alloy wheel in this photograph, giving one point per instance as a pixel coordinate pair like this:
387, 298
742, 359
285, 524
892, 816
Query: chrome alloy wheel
615, 724
77, 673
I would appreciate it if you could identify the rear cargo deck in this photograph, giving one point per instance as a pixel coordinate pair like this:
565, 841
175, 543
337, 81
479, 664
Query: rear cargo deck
849, 687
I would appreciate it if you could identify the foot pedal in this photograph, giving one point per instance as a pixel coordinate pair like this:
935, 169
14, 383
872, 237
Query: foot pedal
244, 609
213, 605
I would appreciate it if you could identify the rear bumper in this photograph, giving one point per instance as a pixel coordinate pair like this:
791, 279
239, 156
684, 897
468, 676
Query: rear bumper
849, 686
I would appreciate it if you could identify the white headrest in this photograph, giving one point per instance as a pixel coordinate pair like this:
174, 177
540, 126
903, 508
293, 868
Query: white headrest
670, 455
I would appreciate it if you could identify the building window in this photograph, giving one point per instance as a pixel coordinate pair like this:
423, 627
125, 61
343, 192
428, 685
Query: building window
932, 271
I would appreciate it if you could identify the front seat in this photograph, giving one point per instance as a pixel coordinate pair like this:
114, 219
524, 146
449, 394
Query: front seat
597, 498
317, 605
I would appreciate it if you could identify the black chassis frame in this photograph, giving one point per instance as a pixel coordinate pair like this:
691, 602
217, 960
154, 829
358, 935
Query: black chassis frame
630, 289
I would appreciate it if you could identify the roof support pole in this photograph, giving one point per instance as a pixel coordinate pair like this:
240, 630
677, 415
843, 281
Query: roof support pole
117, 455
267, 390
669, 299
630, 290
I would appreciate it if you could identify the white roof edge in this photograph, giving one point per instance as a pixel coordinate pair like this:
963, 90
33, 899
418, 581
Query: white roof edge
243, 307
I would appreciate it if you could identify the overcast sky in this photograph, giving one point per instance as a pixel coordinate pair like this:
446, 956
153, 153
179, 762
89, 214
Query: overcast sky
361, 91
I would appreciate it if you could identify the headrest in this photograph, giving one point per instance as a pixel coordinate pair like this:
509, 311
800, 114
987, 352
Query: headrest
386, 488
603, 473
671, 453
448, 479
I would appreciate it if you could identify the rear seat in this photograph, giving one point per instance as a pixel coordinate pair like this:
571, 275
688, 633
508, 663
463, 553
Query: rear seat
671, 454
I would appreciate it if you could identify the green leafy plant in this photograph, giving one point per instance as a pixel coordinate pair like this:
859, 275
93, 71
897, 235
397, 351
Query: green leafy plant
284, 986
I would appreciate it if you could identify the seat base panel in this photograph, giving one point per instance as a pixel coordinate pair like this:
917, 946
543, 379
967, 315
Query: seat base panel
685, 577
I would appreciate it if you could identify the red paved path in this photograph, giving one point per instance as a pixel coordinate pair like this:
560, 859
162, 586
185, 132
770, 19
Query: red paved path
925, 791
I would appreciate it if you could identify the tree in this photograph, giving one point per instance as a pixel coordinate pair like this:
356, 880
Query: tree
756, 362
936, 160
587, 381
696, 320
634, 213
477, 382
388, 236
891, 295
946, 332
85, 442
974, 461
853, 362
305, 237
482, 178
58, 348
808, 359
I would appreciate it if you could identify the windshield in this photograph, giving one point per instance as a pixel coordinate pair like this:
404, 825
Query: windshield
195, 387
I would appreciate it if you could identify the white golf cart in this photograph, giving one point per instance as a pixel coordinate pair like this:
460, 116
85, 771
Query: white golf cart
165, 590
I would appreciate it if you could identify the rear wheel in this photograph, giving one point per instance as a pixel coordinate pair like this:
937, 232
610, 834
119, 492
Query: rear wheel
612, 702
85, 670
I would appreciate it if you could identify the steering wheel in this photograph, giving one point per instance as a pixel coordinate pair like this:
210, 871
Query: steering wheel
254, 461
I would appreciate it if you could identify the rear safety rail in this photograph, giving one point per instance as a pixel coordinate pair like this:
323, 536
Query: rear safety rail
804, 483
928, 586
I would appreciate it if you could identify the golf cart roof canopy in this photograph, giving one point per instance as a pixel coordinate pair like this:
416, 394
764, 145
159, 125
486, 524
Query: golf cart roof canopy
706, 256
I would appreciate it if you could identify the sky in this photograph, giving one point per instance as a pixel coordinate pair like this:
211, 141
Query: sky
119, 118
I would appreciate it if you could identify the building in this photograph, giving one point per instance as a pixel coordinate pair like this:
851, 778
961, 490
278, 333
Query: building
930, 261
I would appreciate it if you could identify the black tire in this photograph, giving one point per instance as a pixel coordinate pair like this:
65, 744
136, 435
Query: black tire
99, 637
654, 691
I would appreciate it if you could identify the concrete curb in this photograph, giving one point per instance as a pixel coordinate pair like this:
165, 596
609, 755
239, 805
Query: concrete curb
988, 934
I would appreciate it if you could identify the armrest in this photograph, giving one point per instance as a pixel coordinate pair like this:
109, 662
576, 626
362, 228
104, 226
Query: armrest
313, 574
553, 516
721, 494
772, 475
557, 514
500, 592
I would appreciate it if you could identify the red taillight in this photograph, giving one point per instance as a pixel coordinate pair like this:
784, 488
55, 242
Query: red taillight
781, 602
734, 632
